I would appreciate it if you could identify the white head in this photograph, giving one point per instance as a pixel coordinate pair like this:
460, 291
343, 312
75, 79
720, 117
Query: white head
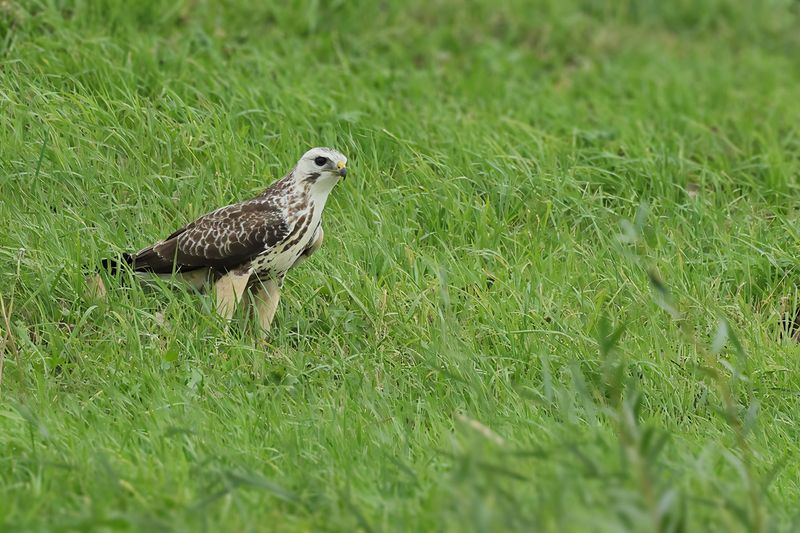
321, 168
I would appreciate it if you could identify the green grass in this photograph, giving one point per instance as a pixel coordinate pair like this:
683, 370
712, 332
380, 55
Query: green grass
518, 316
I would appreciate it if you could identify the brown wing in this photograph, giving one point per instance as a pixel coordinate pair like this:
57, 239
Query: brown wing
222, 239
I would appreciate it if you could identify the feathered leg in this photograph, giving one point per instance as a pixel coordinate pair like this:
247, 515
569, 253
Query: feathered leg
228, 291
266, 294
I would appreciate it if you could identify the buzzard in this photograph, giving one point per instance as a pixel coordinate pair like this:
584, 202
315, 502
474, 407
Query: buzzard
248, 245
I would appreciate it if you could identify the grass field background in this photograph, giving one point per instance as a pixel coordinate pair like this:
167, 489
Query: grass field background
557, 291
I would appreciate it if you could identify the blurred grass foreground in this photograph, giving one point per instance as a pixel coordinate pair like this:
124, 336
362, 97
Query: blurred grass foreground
559, 292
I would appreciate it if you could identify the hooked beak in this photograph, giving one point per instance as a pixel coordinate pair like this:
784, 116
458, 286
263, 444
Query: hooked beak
342, 169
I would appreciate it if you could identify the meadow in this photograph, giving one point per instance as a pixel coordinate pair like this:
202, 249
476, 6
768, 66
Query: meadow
558, 290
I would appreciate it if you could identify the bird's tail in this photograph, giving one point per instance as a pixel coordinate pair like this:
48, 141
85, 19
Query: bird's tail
113, 266
94, 280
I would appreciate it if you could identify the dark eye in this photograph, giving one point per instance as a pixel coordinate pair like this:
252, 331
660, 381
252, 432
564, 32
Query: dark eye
320, 161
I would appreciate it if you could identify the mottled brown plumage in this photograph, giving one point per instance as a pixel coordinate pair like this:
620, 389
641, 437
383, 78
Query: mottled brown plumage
223, 239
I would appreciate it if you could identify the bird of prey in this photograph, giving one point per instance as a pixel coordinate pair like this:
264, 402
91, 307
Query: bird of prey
250, 244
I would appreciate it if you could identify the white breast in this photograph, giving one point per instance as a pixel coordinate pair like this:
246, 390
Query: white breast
280, 259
